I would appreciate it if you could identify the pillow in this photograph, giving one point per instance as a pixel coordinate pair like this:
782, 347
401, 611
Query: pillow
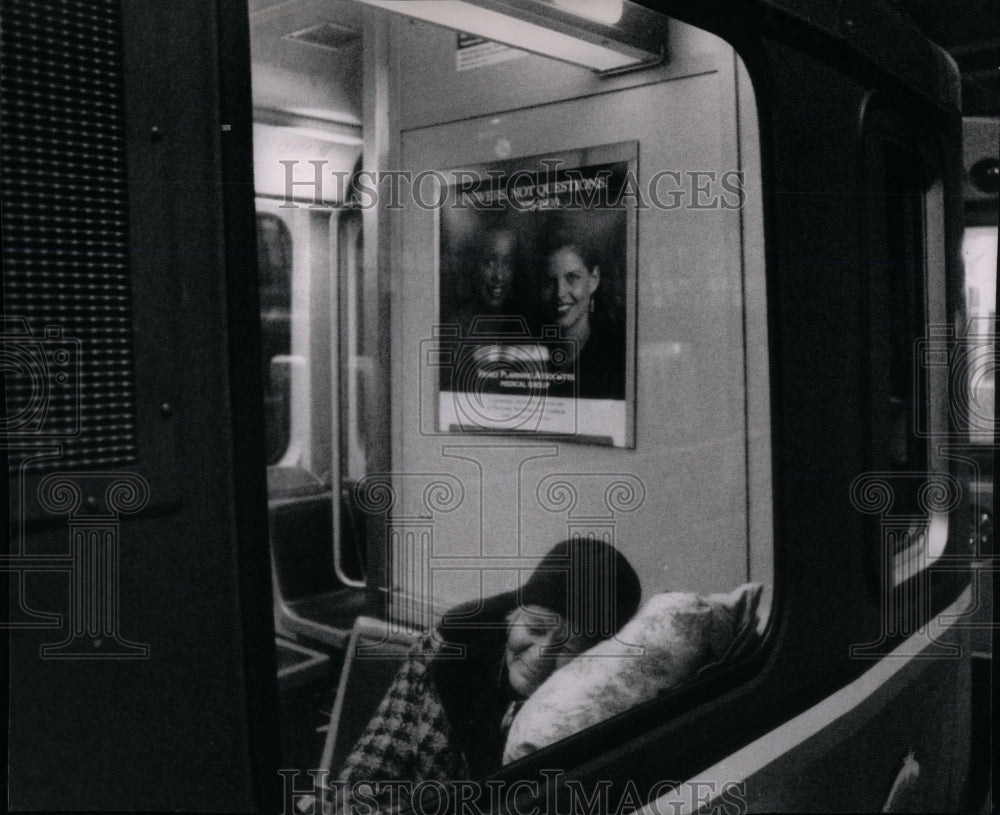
679, 636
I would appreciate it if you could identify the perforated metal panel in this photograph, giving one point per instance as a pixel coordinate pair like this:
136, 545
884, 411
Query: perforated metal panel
67, 344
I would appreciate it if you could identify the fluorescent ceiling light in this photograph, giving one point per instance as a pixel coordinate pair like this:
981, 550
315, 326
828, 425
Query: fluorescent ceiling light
325, 115
323, 135
310, 126
539, 27
604, 11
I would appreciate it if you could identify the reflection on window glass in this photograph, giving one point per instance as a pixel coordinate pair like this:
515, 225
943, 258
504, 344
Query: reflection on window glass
979, 250
904, 234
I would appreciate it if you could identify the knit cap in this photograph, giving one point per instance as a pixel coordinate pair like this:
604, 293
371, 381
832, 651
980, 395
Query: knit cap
588, 582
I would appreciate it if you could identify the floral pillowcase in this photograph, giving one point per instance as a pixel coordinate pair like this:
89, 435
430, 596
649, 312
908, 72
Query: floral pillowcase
671, 640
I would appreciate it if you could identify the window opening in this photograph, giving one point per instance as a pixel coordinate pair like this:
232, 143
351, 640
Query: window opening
274, 268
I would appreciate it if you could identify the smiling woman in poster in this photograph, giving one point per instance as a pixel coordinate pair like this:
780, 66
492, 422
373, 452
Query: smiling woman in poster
592, 348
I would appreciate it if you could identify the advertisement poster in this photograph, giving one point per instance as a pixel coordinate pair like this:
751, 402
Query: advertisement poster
537, 297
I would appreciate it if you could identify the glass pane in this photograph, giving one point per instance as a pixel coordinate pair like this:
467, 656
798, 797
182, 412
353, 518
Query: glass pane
616, 228
979, 249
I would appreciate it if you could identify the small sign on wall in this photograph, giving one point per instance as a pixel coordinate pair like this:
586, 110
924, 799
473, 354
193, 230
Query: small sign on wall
472, 51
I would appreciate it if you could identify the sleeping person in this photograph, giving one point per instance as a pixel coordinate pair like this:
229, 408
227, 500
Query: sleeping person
447, 713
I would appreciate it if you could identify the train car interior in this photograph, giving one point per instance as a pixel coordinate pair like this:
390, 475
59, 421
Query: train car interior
697, 305
363, 306
342, 89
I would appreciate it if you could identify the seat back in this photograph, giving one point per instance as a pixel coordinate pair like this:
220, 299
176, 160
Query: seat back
301, 547
301, 534
375, 652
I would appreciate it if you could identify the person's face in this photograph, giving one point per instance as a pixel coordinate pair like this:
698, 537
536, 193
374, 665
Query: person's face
538, 642
496, 270
568, 287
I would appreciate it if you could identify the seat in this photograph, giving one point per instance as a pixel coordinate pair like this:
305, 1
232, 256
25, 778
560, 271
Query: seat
375, 652
310, 600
